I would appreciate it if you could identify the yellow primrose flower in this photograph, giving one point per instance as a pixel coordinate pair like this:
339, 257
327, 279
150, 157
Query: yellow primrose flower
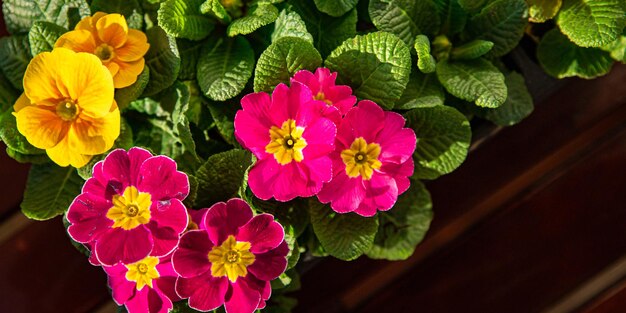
107, 36
67, 107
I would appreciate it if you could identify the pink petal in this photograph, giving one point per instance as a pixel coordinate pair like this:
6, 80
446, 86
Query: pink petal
342, 98
269, 265
258, 106
123, 167
332, 113
318, 171
262, 176
165, 239
251, 133
159, 177
367, 208
224, 219
197, 215
320, 138
87, 215
262, 232
121, 288
148, 300
286, 102
366, 120
265, 295
126, 246
399, 172
191, 258
205, 292
325, 78
244, 296
307, 78
167, 286
291, 181
345, 194
397, 143
382, 193
170, 213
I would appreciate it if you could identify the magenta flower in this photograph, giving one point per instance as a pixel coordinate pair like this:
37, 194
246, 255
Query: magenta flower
130, 208
144, 286
338, 98
290, 139
372, 161
230, 259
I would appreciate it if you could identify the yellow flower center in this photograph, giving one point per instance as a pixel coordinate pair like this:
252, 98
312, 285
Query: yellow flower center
130, 209
231, 259
320, 96
143, 272
361, 158
104, 52
67, 110
286, 142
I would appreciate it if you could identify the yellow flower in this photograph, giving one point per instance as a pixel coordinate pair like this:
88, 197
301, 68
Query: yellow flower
67, 107
107, 36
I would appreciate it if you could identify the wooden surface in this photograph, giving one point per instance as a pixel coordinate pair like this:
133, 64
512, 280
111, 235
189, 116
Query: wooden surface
534, 221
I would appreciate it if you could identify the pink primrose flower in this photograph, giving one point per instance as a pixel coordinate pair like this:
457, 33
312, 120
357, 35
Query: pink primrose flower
371, 162
130, 208
230, 259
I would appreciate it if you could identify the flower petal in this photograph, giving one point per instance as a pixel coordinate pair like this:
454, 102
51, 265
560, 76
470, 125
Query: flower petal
366, 120
262, 232
148, 300
64, 155
224, 219
269, 265
205, 292
397, 143
159, 177
124, 167
112, 30
42, 127
171, 214
126, 246
191, 258
244, 295
121, 288
87, 215
40, 78
128, 72
77, 41
345, 194
135, 47
320, 138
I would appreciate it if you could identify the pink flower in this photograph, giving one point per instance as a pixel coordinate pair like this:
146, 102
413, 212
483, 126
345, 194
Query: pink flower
130, 208
372, 161
290, 139
338, 98
230, 259
144, 286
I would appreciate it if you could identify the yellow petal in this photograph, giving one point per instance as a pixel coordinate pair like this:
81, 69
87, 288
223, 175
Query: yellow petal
41, 126
135, 47
128, 73
77, 41
21, 103
102, 131
63, 155
89, 23
113, 68
40, 77
112, 30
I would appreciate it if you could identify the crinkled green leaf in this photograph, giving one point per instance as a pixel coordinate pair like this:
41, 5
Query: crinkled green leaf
257, 17
344, 236
471, 50
281, 60
543, 10
14, 58
328, 32
376, 65
422, 90
43, 35
425, 61
592, 23
290, 24
12, 137
221, 176
443, 139
518, 104
19, 15
128, 8
224, 67
561, 58
617, 49
163, 60
404, 226
28, 158
182, 18
216, 9
8, 94
476, 80
189, 51
473, 6
223, 116
124, 96
50, 190
335, 7
405, 18
451, 15
501, 22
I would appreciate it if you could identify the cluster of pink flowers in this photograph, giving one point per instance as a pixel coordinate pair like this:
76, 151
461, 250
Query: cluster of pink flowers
155, 251
310, 139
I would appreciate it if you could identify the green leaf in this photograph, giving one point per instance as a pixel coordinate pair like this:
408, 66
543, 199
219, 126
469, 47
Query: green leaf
223, 116
224, 67
471, 50
162, 59
561, 58
452, 16
124, 96
43, 36
328, 32
617, 49
128, 8
257, 17
518, 104
473, 6
19, 15
501, 22
13, 138
335, 8
50, 190
221, 176
425, 61
543, 10
592, 23
14, 58
281, 60
293, 213
189, 54
290, 24
182, 18
28, 158
405, 18
443, 139
376, 65
475, 80
216, 9
8, 94
344, 236
422, 90
404, 226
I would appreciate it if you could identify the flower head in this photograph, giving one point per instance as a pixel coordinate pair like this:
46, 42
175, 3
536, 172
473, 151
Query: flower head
338, 98
108, 37
144, 286
67, 107
372, 161
230, 259
290, 139
130, 208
